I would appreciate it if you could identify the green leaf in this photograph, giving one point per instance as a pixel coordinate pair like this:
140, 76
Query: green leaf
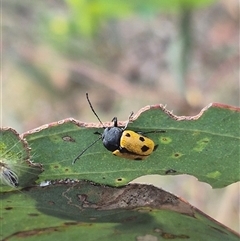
70, 210
205, 146
16, 169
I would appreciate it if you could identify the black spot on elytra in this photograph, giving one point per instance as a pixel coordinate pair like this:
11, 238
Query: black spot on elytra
128, 135
144, 148
141, 138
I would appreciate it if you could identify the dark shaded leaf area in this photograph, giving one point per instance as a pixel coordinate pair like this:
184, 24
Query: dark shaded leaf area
67, 209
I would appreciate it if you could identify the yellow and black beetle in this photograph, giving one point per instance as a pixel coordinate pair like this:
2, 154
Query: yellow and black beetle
121, 142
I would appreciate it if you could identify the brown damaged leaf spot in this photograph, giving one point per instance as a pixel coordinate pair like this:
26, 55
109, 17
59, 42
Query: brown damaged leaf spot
34, 232
8, 208
134, 196
68, 139
174, 236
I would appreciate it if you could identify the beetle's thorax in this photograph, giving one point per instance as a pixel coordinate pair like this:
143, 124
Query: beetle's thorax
111, 138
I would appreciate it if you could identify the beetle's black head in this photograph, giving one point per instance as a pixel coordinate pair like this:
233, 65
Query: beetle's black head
111, 138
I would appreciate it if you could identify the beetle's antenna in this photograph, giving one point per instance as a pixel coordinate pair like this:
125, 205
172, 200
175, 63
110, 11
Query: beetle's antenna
85, 150
94, 110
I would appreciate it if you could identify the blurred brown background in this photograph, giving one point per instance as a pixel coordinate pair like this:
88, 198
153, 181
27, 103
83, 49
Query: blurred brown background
126, 55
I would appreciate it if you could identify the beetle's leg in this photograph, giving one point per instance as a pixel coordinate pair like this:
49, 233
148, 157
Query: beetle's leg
129, 118
115, 122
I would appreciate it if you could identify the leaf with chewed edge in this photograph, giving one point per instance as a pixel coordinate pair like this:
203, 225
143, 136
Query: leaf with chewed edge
205, 146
